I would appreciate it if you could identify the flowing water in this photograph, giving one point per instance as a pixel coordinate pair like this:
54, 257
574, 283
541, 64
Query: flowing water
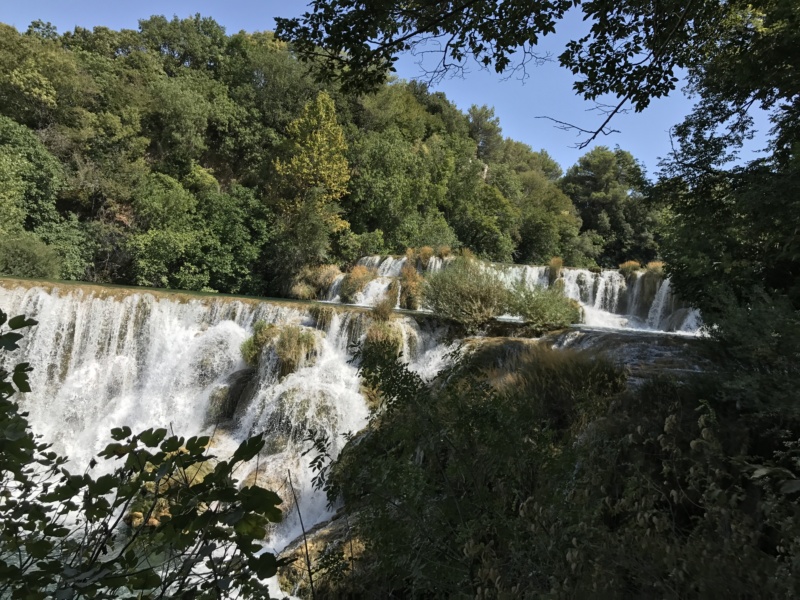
103, 359
640, 301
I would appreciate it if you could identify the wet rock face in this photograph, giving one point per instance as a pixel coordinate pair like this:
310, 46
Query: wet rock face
643, 353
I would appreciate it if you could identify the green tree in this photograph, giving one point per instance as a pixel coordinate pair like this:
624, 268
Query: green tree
607, 188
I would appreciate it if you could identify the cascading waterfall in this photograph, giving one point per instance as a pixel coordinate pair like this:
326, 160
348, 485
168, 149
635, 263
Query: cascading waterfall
104, 359
608, 298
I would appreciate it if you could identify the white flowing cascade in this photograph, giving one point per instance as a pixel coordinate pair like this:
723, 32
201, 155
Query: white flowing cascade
608, 299
107, 359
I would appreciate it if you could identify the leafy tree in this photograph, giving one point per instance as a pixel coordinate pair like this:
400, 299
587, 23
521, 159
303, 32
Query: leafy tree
160, 523
485, 129
33, 176
26, 255
607, 189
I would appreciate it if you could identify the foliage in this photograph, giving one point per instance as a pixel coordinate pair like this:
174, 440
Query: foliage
294, 346
355, 281
455, 475
467, 293
544, 309
616, 493
383, 309
313, 282
178, 156
607, 188
554, 269
629, 267
263, 333
25, 255
411, 288
63, 535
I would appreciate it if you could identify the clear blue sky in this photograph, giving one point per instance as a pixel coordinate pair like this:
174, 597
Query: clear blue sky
547, 92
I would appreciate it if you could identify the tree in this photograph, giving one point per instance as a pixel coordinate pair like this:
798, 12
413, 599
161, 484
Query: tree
607, 189
166, 520
631, 49
311, 178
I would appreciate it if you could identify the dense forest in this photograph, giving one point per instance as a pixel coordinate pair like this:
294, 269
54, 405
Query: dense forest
180, 156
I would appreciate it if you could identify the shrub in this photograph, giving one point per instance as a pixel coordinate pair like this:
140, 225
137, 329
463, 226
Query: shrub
655, 267
355, 281
383, 310
425, 254
313, 282
385, 335
554, 270
466, 293
25, 255
294, 347
443, 251
322, 315
544, 309
629, 267
410, 288
263, 333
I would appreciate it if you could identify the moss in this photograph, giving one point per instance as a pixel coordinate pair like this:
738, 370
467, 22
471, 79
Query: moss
322, 315
295, 346
355, 281
263, 334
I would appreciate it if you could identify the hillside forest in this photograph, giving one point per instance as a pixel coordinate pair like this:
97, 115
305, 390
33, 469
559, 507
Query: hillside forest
180, 156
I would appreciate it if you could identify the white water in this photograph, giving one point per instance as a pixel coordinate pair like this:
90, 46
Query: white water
606, 298
144, 361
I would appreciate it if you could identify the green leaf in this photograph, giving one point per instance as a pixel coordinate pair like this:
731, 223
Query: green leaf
152, 438
120, 433
8, 341
265, 565
20, 321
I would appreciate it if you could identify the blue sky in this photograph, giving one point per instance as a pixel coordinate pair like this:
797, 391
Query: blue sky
546, 92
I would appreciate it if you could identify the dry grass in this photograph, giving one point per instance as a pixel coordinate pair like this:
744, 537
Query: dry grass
355, 281
443, 251
655, 267
554, 270
629, 267
383, 310
410, 288
313, 282
425, 254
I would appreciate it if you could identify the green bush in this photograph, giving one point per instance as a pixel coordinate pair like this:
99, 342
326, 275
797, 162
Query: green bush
544, 309
25, 255
466, 292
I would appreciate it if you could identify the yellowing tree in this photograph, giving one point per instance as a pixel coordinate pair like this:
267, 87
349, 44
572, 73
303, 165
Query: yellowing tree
317, 167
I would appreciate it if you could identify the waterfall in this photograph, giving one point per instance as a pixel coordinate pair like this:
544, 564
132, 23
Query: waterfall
105, 358
608, 299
